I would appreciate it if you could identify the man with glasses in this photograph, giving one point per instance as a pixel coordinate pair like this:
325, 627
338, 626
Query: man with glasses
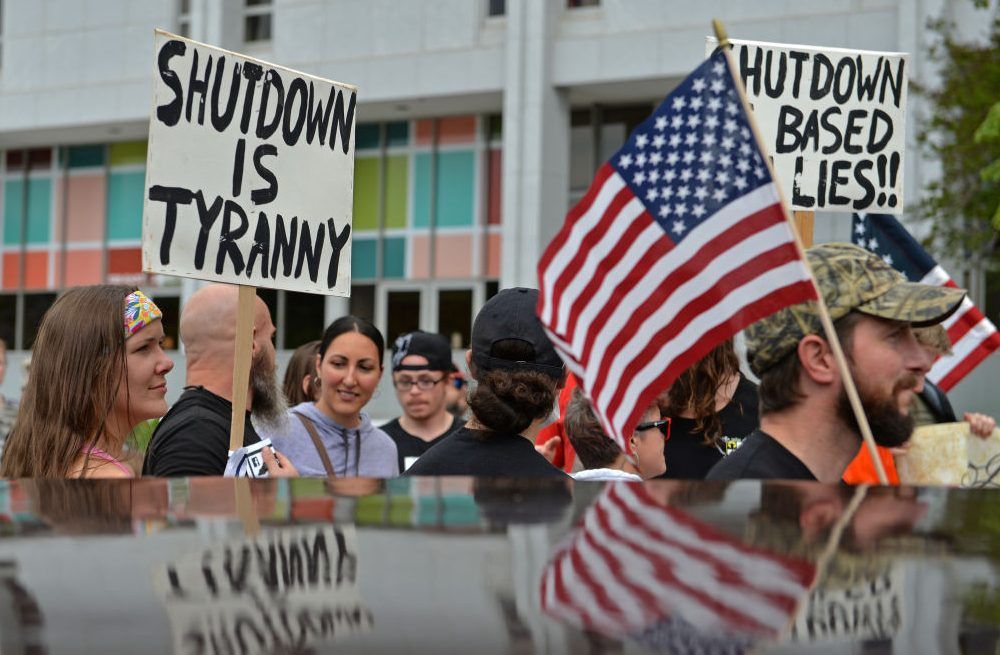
421, 372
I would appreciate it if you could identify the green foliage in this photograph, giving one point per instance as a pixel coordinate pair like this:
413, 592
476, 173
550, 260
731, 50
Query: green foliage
964, 204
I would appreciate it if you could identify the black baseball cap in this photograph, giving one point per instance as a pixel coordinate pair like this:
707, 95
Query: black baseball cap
434, 347
511, 315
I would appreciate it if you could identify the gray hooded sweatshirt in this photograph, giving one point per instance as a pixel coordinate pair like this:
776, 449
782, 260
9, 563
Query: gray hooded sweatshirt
364, 451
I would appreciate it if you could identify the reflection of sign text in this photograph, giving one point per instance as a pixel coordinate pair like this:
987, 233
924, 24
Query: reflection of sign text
868, 609
282, 591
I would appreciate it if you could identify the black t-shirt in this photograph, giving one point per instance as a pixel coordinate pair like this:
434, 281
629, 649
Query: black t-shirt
411, 447
686, 454
760, 458
482, 452
193, 438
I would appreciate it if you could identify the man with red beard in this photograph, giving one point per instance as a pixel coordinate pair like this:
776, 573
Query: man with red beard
807, 429
193, 437
422, 370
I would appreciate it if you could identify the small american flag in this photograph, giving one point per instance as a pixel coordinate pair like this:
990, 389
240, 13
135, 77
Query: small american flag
972, 335
679, 244
634, 563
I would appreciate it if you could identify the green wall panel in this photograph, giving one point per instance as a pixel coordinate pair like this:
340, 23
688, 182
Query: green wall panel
397, 175
125, 194
127, 153
39, 210
362, 259
84, 156
394, 257
456, 174
366, 193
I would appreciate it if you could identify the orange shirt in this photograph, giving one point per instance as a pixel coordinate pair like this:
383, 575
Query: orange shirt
861, 470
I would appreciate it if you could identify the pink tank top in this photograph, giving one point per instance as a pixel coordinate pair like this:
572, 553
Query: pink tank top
101, 455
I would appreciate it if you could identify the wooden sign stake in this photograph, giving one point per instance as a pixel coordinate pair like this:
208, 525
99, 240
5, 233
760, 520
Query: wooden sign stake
804, 225
241, 363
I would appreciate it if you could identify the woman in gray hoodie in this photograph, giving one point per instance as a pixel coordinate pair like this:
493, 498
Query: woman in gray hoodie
333, 436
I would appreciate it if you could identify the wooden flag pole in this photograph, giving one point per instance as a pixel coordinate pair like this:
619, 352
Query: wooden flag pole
804, 226
241, 363
824, 313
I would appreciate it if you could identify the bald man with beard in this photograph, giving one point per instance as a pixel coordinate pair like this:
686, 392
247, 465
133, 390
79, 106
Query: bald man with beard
193, 438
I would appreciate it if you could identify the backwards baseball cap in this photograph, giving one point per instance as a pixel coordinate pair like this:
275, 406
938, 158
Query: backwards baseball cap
511, 315
433, 347
850, 279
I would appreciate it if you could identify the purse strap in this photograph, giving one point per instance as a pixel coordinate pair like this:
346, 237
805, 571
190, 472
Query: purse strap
311, 429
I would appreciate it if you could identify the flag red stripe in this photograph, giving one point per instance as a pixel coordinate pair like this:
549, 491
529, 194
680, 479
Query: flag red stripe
969, 319
702, 304
722, 571
960, 370
688, 269
663, 571
578, 210
598, 232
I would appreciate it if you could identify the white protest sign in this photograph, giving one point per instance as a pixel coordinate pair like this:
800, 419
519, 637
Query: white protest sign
286, 591
833, 121
250, 172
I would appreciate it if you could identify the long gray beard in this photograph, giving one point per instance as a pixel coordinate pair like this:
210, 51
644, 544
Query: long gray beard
269, 404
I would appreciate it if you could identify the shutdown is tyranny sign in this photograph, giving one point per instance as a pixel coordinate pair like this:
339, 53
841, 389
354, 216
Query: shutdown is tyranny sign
250, 172
833, 120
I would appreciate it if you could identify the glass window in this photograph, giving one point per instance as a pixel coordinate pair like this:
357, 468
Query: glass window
496, 7
403, 308
257, 16
363, 301
270, 298
171, 308
455, 316
303, 319
35, 306
184, 17
572, 4
8, 322
492, 288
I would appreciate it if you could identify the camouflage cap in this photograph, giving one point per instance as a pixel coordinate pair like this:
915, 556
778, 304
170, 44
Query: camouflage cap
850, 278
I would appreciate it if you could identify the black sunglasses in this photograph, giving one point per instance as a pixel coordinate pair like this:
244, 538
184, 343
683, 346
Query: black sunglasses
663, 425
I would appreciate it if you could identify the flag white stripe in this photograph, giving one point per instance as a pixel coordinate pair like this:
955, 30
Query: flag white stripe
937, 276
633, 612
760, 572
692, 572
612, 238
958, 313
733, 303
583, 596
727, 217
581, 228
638, 571
980, 332
646, 240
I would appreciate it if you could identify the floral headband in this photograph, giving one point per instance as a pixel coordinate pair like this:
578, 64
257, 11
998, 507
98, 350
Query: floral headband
140, 311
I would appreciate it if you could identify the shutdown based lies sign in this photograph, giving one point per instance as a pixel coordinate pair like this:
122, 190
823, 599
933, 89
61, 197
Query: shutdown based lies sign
250, 172
832, 119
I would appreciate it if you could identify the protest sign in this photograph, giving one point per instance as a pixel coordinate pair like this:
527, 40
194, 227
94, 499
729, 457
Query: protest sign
250, 172
287, 590
833, 121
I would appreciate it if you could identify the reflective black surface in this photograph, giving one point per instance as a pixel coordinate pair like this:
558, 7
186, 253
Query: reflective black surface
495, 566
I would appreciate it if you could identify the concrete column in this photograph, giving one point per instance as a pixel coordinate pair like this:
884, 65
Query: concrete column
535, 141
334, 308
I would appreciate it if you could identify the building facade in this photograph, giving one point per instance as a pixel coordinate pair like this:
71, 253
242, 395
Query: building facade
480, 123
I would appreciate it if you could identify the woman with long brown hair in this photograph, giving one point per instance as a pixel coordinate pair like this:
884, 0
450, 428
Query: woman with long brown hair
711, 407
98, 368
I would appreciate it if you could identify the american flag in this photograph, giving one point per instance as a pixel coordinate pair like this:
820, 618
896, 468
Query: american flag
679, 243
972, 335
633, 564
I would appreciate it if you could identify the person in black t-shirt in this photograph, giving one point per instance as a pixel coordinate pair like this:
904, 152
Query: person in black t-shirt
711, 407
808, 430
518, 374
193, 438
421, 372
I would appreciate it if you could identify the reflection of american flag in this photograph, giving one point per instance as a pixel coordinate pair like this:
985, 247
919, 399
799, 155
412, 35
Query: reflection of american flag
972, 335
633, 563
679, 243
